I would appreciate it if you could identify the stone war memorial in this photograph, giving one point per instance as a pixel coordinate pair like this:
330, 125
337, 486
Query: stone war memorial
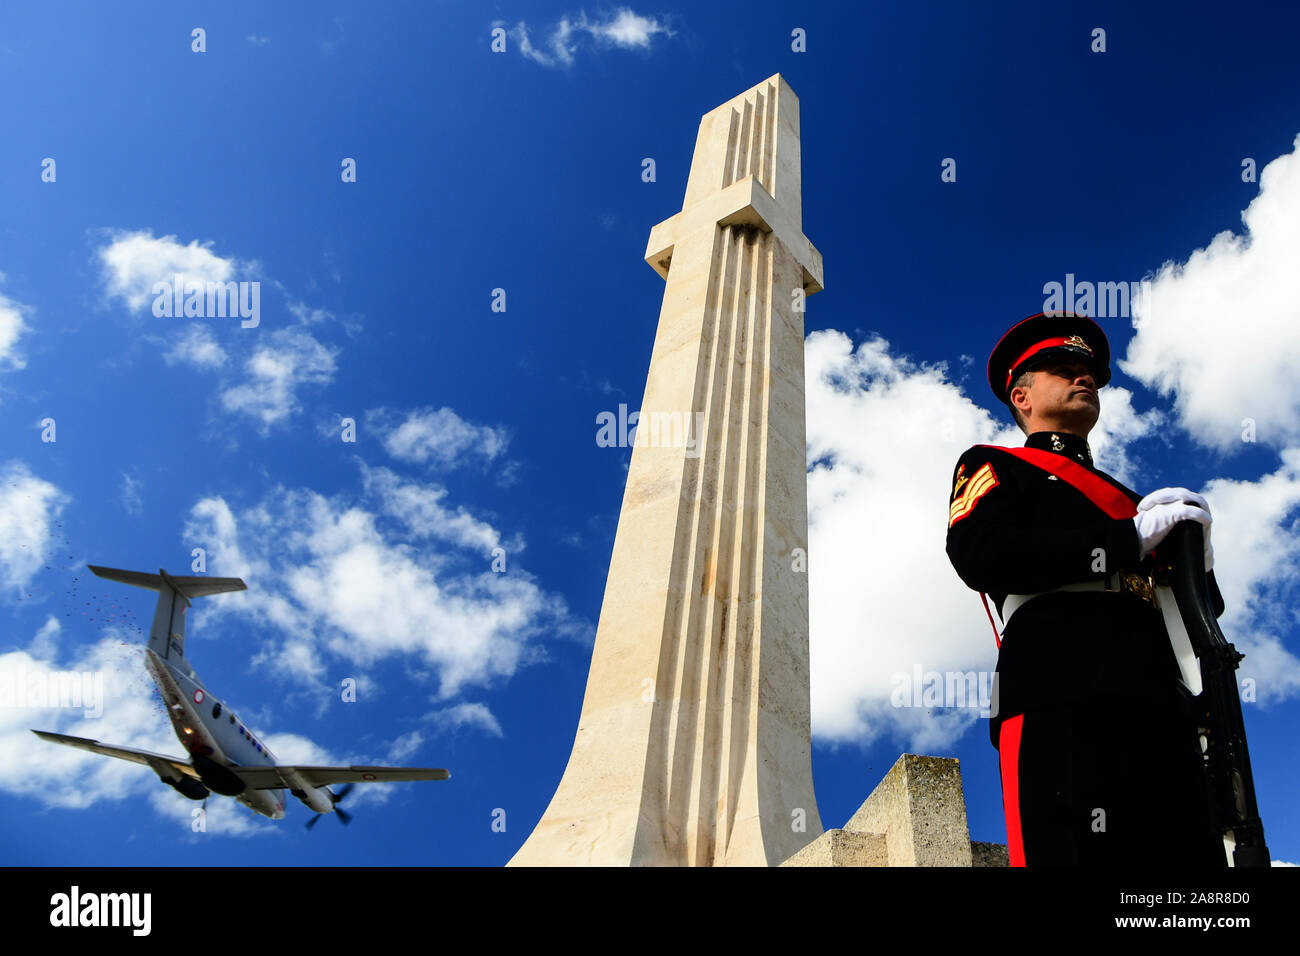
694, 744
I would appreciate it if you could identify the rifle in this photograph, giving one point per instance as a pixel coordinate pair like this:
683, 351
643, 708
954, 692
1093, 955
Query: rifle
1214, 695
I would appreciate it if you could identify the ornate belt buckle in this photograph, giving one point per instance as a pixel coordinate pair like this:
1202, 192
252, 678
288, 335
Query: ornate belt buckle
1139, 584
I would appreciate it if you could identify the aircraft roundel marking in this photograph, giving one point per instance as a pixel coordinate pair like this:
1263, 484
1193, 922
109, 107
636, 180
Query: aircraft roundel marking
367, 776
198, 696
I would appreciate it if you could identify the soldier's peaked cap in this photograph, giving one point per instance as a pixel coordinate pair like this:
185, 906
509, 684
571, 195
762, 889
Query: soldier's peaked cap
1048, 336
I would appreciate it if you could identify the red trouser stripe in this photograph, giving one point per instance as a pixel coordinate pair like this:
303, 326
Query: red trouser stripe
1009, 754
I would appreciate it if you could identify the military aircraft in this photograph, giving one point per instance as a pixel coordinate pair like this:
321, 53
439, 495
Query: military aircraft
225, 757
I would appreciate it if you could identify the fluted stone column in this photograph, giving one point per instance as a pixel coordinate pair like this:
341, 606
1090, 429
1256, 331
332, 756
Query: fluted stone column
693, 747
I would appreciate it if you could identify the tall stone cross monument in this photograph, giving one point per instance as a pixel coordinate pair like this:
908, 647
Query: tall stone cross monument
693, 747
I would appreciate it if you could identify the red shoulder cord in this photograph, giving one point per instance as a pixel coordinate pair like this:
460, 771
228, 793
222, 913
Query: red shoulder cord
985, 599
1096, 489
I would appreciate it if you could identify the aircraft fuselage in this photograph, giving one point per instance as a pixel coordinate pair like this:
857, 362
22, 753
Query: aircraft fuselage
213, 735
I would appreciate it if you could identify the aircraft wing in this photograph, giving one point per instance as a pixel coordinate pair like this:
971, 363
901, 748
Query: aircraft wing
272, 778
146, 757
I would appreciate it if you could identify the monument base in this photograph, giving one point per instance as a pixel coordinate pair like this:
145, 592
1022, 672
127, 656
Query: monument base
916, 816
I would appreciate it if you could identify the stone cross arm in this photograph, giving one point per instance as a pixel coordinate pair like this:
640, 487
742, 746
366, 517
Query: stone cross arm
744, 202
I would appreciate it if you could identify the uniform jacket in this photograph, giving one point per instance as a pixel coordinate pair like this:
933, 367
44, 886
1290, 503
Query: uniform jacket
1013, 529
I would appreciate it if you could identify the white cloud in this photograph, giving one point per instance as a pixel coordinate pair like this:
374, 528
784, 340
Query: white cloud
884, 435
438, 438
467, 715
130, 493
342, 579
421, 508
404, 746
214, 526
222, 816
196, 345
133, 261
257, 40
61, 776
623, 29
520, 35
298, 657
1118, 426
12, 328
45, 645
1256, 537
275, 367
300, 750
275, 371
29, 506
1221, 331
306, 314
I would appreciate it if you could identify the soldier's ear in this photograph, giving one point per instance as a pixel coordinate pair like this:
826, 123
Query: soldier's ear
1019, 397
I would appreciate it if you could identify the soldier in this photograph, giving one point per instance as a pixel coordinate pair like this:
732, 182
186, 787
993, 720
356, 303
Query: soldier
1098, 749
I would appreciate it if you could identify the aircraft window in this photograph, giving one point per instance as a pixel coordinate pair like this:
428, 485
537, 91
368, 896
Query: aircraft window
232, 718
216, 710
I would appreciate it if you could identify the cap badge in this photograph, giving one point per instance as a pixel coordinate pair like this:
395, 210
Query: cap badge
1078, 342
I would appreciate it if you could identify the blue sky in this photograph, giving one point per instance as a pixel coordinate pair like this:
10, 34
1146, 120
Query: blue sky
476, 428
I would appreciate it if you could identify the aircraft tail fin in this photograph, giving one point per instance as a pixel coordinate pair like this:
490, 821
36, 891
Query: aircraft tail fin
167, 635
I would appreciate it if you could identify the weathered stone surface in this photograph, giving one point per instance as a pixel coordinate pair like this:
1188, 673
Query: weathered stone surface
843, 848
693, 746
916, 816
920, 808
989, 854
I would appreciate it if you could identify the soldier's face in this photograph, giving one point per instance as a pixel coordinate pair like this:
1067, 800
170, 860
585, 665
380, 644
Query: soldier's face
1064, 395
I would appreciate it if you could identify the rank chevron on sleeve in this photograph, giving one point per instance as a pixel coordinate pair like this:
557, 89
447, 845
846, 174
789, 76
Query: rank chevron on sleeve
980, 484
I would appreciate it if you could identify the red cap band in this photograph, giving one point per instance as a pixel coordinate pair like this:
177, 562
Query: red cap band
1045, 344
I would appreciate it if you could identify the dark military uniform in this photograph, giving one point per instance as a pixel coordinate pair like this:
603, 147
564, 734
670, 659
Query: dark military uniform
1100, 720
1098, 746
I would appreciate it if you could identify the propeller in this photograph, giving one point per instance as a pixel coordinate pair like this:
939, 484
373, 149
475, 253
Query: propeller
344, 817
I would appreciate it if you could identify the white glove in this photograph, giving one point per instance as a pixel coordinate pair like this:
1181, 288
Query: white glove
1167, 496
1155, 523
